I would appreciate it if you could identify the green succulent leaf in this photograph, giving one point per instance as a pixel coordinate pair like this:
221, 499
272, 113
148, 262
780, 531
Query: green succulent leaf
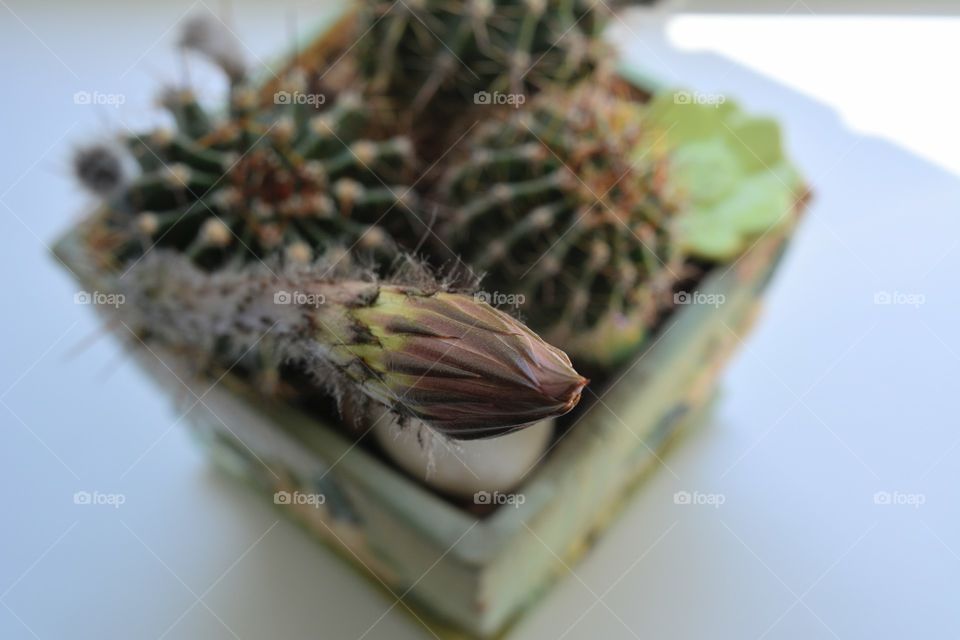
727, 168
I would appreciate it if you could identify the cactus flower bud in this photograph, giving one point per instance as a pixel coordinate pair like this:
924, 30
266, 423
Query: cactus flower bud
449, 359
467, 369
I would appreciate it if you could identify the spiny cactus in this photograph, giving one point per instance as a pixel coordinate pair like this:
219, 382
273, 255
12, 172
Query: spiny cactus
299, 171
463, 367
728, 171
563, 203
297, 175
442, 52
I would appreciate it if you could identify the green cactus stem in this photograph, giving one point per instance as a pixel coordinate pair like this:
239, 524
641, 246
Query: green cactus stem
428, 48
301, 169
564, 205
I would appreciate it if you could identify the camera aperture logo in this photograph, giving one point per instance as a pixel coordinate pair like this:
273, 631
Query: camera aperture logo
515, 100
499, 299
899, 498
99, 298
499, 498
99, 98
299, 498
299, 97
699, 297
299, 298
715, 500
96, 498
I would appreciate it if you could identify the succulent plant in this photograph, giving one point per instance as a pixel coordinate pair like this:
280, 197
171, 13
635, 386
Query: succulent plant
441, 53
728, 172
291, 170
464, 368
563, 205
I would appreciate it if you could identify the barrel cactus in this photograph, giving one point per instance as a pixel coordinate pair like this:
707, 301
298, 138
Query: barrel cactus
448, 53
564, 206
291, 170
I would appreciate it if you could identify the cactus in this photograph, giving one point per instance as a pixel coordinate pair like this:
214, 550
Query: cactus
728, 172
217, 227
435, 55
563, 204
292, 170
463, 367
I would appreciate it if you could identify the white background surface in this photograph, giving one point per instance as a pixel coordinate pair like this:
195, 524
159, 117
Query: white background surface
832, 399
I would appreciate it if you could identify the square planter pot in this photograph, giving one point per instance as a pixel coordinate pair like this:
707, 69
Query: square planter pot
467, 573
